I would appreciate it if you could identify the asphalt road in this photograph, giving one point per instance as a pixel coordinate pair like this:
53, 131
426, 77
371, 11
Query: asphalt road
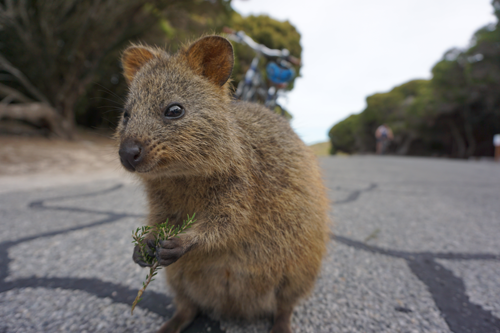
415, 248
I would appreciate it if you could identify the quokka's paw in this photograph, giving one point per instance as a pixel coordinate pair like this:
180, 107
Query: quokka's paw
149, 251
169, 251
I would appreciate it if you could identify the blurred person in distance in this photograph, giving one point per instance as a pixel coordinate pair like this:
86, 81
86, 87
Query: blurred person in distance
496, 143
384, 135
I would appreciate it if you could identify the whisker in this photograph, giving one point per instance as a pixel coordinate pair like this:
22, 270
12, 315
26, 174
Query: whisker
105, 99
111, 92
111, 110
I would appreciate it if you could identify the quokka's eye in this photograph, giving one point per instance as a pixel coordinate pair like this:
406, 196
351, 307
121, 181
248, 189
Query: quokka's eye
174, 111
126, 116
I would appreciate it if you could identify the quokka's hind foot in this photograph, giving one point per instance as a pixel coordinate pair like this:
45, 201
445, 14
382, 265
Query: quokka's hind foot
282, 320
184, 315
281, 328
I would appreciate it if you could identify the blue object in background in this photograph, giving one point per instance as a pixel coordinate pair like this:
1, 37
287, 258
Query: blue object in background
278, 74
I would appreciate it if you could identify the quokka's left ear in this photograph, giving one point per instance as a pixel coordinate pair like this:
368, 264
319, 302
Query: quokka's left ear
134, 58
211, 57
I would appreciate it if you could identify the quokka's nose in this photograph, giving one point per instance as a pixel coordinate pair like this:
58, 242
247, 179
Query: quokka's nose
131, 154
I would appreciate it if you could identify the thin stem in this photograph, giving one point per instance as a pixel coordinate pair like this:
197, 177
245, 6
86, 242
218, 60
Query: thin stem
141, 291
157, 232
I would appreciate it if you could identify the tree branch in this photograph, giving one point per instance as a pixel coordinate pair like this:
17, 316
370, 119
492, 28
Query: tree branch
7, 66
14, 94
34, 113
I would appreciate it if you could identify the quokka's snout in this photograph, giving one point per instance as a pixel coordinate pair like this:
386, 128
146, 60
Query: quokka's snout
131, 154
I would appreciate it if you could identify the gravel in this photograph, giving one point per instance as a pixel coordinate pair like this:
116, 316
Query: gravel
56, 310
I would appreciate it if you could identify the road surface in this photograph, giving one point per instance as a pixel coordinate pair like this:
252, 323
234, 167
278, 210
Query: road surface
415, 247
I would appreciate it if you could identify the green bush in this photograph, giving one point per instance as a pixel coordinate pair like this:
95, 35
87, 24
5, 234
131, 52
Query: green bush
342, 135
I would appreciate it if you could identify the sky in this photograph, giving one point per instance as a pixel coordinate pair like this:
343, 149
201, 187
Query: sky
353, 49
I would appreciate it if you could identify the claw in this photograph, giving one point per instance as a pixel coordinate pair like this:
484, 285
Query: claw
151, 247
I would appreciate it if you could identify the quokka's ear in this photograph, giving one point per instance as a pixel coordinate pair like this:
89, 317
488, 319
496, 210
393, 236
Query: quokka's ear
212, 57
134, 58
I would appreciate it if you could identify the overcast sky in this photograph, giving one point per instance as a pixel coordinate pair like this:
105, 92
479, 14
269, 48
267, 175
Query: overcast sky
352, 49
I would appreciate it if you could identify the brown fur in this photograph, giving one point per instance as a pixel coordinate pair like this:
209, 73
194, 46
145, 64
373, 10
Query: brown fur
256, 189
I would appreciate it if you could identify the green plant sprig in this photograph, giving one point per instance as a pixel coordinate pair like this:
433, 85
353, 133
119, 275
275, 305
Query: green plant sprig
160, 232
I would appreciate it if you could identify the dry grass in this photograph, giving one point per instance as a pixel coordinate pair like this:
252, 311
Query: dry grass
321, 149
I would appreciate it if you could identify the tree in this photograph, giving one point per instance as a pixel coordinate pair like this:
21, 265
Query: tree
101, 105
52, 51
394, 108
454, 114
343, 135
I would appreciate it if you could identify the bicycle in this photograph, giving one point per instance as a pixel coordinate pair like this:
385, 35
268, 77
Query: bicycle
279, 72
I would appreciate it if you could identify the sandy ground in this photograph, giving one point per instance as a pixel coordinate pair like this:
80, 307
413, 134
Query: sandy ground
38, 162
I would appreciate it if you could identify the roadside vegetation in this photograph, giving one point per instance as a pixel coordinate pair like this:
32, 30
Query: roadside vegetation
59, 59
454, 114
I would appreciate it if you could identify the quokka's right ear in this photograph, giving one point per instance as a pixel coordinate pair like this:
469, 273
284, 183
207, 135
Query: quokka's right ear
134, 58
211, 57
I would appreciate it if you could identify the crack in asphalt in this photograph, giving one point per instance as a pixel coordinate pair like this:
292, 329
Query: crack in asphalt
355, 195
152, 301
447, 290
